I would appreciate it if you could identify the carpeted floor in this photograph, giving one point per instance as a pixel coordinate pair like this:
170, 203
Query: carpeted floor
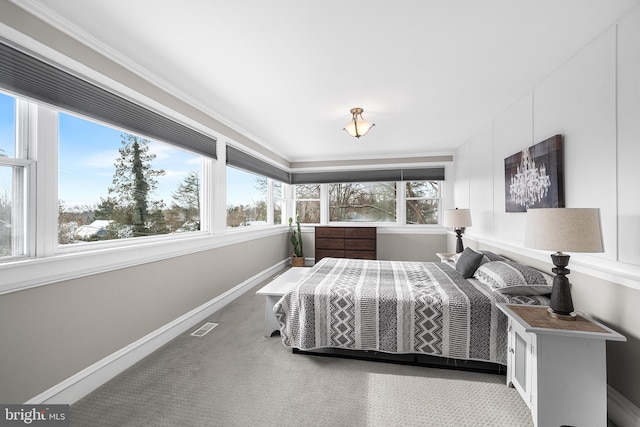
234, 376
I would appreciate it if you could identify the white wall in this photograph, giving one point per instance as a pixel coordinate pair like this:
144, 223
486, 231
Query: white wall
593, 100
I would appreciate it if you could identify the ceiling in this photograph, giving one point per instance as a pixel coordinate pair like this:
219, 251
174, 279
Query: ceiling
428, 73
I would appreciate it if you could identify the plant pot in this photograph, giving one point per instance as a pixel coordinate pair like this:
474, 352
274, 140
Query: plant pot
297, 261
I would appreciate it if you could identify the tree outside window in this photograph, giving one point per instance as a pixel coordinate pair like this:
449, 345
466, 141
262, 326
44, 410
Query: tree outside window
362, 202
422, 202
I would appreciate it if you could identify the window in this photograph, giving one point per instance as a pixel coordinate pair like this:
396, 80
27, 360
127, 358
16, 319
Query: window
246, 198
278, 202
13, 182
362, 202
7, 126
308, 203
115, 185
422, 202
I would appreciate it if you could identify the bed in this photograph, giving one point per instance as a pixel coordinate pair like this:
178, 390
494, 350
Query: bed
400, 307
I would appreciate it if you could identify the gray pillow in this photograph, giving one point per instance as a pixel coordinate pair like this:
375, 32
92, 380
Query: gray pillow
490, 256
468, 262
508, 277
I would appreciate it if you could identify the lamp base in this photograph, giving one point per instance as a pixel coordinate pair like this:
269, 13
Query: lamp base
570, 316
459, 246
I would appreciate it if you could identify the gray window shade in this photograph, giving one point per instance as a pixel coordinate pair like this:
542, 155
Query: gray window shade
376, 175
247, 162
33, 78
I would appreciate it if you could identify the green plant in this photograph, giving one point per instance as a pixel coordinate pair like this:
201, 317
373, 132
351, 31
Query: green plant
296, 237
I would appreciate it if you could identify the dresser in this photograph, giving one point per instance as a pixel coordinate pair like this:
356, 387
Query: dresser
345, 242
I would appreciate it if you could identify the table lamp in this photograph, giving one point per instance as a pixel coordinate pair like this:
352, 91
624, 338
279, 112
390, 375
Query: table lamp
563, 229
458, 219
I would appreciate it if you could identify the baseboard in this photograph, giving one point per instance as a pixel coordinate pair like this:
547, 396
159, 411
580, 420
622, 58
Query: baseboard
620, 410
79, 385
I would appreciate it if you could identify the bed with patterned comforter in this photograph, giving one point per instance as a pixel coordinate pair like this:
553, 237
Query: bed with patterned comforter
396, 307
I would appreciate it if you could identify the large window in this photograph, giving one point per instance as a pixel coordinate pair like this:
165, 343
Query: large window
362, 202
115, 185
422, 202
246, 198
7, 126
279, 202
13, 181
308, 203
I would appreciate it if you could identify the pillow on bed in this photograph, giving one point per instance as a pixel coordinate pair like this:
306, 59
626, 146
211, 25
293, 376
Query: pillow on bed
490, 256
508, 277
468, 262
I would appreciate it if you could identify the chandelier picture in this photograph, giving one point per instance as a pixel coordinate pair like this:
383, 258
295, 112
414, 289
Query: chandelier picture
534, 178
530, 184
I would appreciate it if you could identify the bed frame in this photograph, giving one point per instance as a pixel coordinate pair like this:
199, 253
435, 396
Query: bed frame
414, 359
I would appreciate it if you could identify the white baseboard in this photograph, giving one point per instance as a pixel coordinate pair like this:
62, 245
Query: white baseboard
79, 385
620, 410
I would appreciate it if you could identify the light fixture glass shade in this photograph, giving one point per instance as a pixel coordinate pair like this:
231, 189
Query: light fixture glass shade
457, 218
564, 229
358, 126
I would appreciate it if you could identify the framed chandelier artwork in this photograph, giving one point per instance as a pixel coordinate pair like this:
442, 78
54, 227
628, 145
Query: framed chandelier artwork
534, 177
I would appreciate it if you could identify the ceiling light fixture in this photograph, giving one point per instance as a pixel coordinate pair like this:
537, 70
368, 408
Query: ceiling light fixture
358, 126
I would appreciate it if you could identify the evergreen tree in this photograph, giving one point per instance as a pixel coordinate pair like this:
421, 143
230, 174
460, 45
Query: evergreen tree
129, 204
186, 201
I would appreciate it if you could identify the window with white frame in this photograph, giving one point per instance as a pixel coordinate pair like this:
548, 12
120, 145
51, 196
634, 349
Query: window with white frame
362, 202
115, 185
422, 200
307, 198
279, 201
246, 198
13, 183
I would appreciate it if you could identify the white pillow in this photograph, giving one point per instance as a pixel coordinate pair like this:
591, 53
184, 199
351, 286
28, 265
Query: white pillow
508, 277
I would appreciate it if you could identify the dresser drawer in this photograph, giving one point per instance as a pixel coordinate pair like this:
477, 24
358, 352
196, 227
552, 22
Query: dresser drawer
329, 253
360, 244
360, 233
327, 243
330, 232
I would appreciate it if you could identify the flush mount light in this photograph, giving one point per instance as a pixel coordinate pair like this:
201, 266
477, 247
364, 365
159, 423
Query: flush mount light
358, 126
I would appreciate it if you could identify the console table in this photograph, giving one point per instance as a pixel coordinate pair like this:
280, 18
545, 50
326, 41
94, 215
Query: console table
558, 366
345, 242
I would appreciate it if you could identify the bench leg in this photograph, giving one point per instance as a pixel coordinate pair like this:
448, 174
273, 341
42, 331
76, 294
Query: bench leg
270, 322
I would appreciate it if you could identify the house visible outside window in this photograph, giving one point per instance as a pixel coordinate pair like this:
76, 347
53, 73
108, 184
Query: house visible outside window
246, 198
362, 202
307, 197
422, 202
115, 185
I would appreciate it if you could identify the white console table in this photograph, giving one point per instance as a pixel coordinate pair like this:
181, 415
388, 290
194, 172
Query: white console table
558, 366
275, 290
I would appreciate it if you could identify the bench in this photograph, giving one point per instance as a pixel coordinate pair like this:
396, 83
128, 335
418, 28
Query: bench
275, 290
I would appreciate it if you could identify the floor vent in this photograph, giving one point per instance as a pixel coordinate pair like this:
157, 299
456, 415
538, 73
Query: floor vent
204, 329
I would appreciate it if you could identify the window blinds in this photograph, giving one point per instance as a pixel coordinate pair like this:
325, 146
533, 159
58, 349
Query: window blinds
31, 77
376, 175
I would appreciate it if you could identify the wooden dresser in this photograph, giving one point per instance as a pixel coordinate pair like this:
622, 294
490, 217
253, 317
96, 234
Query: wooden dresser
346, 242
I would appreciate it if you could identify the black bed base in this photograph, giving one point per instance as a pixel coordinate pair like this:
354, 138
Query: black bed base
414, 359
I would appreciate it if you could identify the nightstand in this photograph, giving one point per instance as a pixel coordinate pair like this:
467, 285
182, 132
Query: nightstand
447, 258
558, 366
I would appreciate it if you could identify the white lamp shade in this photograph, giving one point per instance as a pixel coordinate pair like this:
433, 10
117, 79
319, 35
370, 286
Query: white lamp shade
564, 229
457, 218
363, 127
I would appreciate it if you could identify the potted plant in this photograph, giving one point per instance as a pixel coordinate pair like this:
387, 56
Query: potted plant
297, 259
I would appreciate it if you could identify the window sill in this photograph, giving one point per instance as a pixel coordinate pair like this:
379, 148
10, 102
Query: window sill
71, 263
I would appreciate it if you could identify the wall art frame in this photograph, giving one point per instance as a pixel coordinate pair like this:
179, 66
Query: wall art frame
534, 177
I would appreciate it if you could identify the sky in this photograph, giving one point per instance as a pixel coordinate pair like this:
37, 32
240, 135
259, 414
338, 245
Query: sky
87, 151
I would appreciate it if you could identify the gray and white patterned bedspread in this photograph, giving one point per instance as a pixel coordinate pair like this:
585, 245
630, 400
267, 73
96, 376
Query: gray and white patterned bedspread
396, 307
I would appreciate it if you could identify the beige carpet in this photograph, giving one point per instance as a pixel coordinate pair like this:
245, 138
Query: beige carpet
234, 376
